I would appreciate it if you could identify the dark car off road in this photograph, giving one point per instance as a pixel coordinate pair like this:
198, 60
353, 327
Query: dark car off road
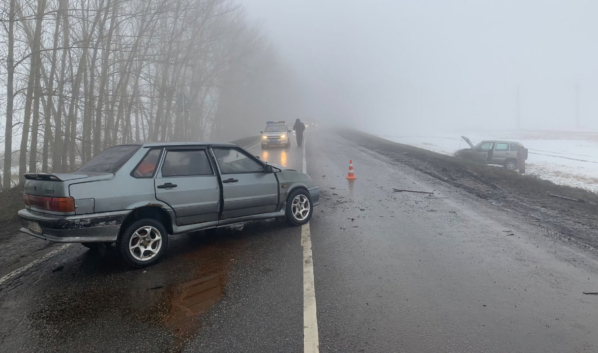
137, 195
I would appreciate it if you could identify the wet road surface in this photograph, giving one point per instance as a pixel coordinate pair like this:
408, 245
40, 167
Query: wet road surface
394, 272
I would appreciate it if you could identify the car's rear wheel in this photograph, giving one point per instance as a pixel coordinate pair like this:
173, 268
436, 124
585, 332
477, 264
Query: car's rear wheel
299, 207
143, 243
511, 164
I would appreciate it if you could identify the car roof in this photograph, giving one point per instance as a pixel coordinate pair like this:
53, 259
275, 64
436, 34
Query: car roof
175, 144
503, 141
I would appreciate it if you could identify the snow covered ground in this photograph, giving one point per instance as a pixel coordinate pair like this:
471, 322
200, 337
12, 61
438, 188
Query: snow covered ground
567, 158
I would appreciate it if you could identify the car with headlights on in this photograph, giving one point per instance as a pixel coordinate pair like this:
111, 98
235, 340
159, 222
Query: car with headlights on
276, 134
138, 195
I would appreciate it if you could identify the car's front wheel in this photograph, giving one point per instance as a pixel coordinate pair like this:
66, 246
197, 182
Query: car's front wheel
299, 207
143, 243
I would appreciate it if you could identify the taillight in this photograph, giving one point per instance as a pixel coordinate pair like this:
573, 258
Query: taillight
62, 204
54, 204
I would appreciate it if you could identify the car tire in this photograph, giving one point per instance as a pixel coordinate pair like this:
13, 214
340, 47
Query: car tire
154, 236
298, 203
511, 164
264, 147
288, 144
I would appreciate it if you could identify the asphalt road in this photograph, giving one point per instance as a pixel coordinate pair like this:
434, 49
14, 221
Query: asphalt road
394, 272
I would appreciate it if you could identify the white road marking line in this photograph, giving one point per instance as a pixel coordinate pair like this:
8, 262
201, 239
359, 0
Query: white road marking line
250, 148
33, 263
311, 340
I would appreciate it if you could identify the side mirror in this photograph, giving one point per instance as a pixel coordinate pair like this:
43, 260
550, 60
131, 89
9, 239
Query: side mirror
258, 157
290, 131
268, 169
261, 132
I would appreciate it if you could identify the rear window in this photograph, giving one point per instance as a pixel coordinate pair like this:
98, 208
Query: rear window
110, 160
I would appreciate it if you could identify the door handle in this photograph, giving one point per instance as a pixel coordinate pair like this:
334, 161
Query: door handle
167, 186
230, 180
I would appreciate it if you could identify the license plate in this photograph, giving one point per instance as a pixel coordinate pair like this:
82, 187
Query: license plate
35, 228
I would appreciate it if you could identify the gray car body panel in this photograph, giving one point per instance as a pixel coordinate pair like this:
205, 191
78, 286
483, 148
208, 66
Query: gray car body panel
101, 195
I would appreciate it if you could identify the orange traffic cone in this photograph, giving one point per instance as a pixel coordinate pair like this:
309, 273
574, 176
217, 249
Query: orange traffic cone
351, 176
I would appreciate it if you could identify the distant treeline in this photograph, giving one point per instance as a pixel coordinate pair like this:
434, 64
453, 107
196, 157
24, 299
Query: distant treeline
84, 75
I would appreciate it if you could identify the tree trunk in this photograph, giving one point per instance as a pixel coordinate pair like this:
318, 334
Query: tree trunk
6, 178
50, 99
58, 159
41, 8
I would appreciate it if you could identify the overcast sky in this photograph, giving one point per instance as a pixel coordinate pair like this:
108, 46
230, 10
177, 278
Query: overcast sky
445, 63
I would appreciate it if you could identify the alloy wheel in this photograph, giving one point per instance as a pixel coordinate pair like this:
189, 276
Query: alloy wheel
145, 243
300, 207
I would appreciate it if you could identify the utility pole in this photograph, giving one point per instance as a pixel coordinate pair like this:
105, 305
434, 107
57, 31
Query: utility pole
518, 110
577, 117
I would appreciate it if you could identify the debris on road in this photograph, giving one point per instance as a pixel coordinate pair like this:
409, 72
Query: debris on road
566, 198
418, 192
590, 293
156, 287
56, 269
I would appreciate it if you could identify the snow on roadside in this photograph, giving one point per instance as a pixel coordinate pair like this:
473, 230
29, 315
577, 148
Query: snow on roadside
566, 158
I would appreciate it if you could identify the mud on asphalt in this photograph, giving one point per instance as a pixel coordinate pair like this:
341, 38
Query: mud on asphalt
570, 221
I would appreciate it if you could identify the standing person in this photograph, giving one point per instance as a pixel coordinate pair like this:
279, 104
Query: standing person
521, 157
299, 127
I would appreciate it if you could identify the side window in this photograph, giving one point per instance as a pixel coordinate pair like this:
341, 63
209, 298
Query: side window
233, 161
501, 147
485, 146
186, 163
147, 167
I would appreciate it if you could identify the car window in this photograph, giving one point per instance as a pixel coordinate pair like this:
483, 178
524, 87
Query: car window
186, 163
484, 146
147, 167
232, 161
110, 160
501, 146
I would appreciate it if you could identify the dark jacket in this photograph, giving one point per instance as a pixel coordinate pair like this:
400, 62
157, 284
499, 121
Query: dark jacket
299, 127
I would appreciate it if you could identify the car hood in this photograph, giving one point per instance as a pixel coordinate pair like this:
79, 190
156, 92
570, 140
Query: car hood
468, 141
284, 169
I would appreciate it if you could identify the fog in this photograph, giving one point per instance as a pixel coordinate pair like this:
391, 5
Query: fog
410, 65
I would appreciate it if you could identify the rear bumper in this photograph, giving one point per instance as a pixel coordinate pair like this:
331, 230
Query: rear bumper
98, 227
314, 193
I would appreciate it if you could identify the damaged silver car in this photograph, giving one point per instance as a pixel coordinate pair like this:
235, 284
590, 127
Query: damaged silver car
138, 195
497, 152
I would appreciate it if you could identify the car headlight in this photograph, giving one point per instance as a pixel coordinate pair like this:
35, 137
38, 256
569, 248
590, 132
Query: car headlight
264, 137
283, 136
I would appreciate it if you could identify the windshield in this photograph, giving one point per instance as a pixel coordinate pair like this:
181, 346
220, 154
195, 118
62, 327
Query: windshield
110, 160
276, 128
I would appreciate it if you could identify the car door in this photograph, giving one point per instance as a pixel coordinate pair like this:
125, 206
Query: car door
247, 189
188, 183
501, 152
485, 149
